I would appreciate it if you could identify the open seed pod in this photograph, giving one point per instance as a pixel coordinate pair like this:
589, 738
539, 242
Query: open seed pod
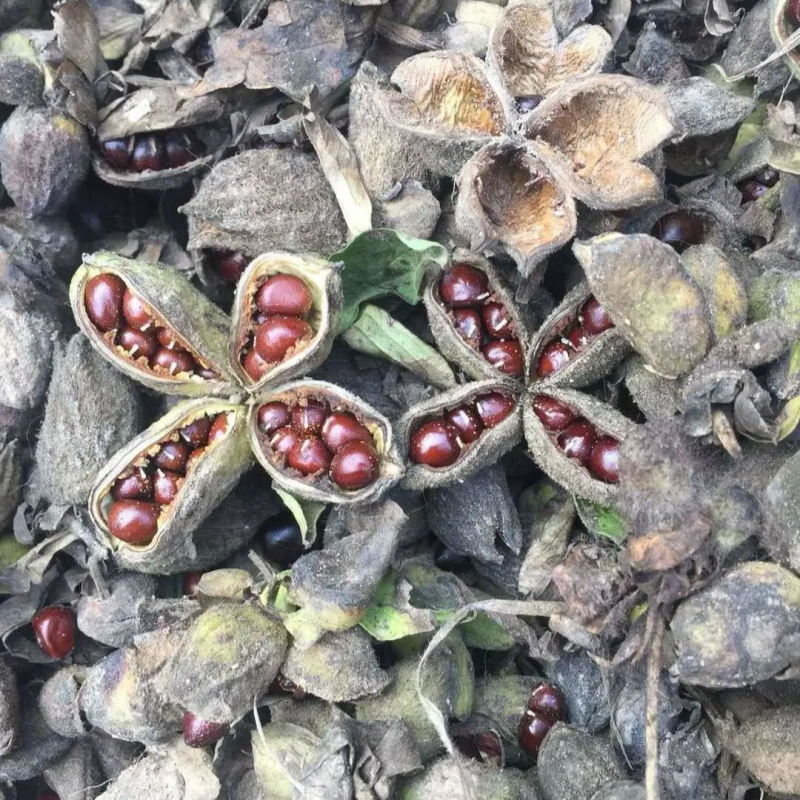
508, 201
594, 131
575, 441
267, 315
458, 320
322, 434
458, 432
783, 24
576, 345
153, 494
194, 360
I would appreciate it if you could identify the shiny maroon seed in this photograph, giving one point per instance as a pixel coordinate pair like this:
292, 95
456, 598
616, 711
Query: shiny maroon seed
54, 627
255, 366
169, 339
102, 298
133, 521
195, 434
284, 439
604, 459
577, 440
494, 407
136, 312
218, 429
435, 444
284, 294
180, 149
547, 700
172, 456
166, 486
199, 732
272, 416
276, 336
594, 317
532, 730
190, 582
355, 465
553, 415
230, 265
679, 229
554, 357
497, 321
505, 356
466, 420
469, 326
137, 486
310, 415
173, 361
309, 455
117, 153
138, 343
341, 428
148, 154
577, 339
752, 190
463, 285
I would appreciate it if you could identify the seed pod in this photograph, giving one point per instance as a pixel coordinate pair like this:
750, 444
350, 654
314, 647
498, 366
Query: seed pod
10, 479
148, 543
229, 655
323, 284
58, 702
450, 778
493, 442
551, 457
321, 486
657, 398
596, 356
9, 708
197, 325
51, 238
21, 74
44, 157
280, 754
91, 412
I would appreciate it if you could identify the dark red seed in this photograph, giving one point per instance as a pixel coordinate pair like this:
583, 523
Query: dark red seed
148, 154
594, 317
136, 312
54, 627
554, 416
195, 434
138, 343
554, 357
137, 486
769, 176
577, 440
527, 102
284, 684
117, 153
679, 229
48, 795
278, 335
133, 521
469, 326
604, 459
173, 361
505, 356
494, 407
282, 541
498, 321
752, 190
463, 285
272, 416
194, 457
310, 415
284, 439
255, 366
793, 13
180, 149
172, 456
102, 298
577, 338
355, 465
230, 265
284, 294
218, 429
166, 486
532, 730
169, 339
341, 428
199, 732
547, 700
435, 444
190, 582
484, 746
309, 455
467, 421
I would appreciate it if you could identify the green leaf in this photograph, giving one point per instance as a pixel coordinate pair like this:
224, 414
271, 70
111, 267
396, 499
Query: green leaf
602, 520
390, 616
377, 333
484, 633
305, 512
10, 550
789, 418
382, 262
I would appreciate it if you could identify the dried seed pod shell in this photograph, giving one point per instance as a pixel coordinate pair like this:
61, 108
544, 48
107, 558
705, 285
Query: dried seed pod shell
200, 326
598, 358
781, 29
552, 461
152, 180
509, 202
483, 452
652, 299
593, 132
325, 286
58, 702
449, 342
321, 487
206, 484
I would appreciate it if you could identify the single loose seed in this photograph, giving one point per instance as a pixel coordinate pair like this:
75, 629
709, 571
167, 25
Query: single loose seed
199, 732
54, 627
532, 730
282, 540
547, 700
679, 229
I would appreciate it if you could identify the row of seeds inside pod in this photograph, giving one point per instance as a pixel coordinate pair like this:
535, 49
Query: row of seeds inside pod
312, 439
152, 483
482, 321
578, 439
440, 442
131, 325
151, 151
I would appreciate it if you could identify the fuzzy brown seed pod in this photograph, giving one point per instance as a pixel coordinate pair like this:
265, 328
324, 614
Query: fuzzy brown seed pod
92, 410
264, 200
44, 157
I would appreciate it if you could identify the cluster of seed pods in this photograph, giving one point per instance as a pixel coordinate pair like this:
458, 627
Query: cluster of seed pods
545, 707
130, 324
151, 151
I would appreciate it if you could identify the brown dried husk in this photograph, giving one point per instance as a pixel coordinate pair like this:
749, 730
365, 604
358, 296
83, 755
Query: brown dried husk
321, 487
600, 356
58, 702
201, 325
210, 480
566, 471
508, 202
325, 285
491, 445
449, 342
593, 131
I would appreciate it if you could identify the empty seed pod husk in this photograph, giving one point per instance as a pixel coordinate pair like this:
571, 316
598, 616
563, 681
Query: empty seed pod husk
207, 482
449, 342
265, 200
320, 486
92, 410
509, 202
199, 326
9, 708
483, 452
656, 397
552, 461
652, 299
325, 287
593, 133
58, 702
597, 358
781, 28
229, 655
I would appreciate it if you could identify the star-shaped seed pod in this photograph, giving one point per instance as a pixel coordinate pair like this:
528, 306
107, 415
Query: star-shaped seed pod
315, 439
